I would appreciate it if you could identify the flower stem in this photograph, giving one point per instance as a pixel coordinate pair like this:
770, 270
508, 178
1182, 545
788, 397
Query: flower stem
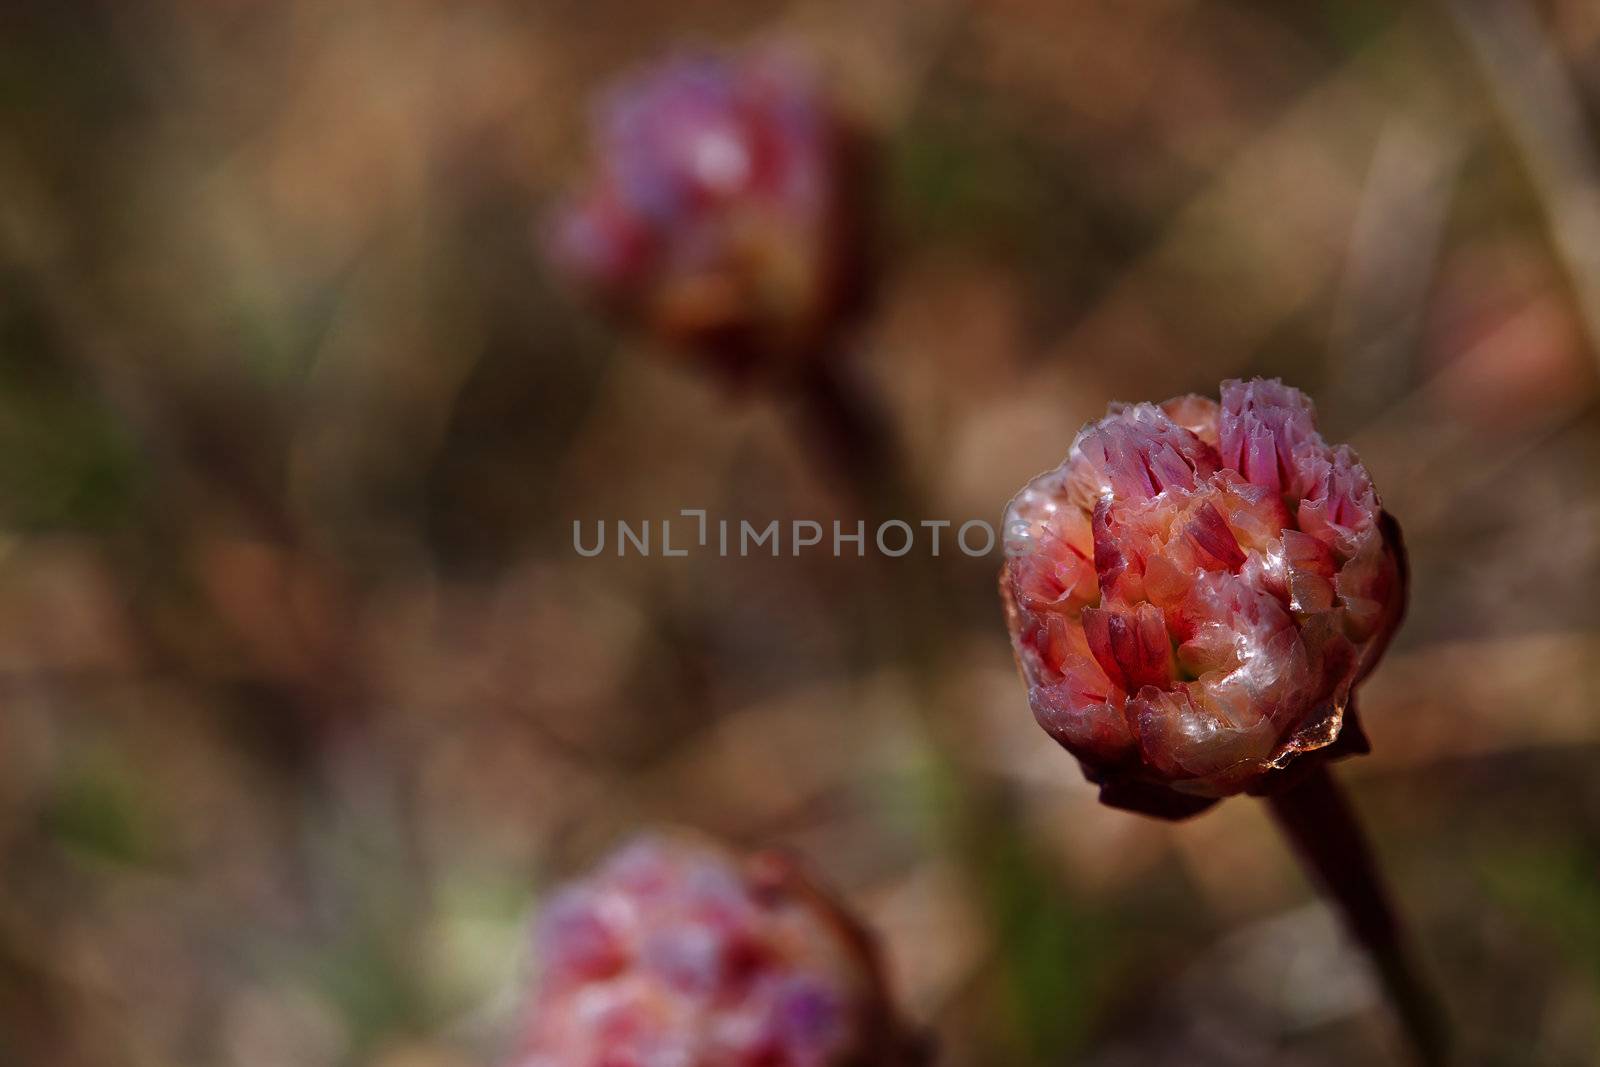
1326, 834
846, 425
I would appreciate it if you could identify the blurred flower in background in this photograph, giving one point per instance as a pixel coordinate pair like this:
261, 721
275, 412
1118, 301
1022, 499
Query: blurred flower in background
671, 953
722, 211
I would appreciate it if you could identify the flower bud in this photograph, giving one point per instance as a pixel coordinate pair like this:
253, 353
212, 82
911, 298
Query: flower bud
673, 954
1195, 592
719, 215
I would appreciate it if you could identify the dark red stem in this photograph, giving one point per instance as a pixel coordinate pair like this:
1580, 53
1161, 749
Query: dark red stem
1326, 834
845, 424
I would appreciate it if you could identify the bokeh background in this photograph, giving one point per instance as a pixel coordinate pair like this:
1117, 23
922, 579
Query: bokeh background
305, 698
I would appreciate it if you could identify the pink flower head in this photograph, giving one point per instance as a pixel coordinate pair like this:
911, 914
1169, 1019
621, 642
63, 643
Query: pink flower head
671, 954
1195, 592
719, 210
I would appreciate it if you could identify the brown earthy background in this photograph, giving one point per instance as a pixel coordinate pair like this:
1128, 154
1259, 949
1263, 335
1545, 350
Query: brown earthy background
307, 698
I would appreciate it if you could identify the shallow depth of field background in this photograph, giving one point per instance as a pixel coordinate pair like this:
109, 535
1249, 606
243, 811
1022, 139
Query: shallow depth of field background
305, 697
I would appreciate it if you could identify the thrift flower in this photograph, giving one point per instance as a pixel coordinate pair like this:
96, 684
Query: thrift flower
1195, 592
672, 955
719, 213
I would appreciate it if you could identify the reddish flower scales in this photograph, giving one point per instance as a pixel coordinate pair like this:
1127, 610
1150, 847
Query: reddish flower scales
1195, 592
670, 955
720, 214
